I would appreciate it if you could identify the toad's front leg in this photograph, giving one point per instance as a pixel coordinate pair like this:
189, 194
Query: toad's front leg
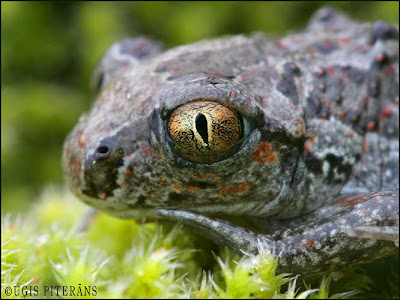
317, 247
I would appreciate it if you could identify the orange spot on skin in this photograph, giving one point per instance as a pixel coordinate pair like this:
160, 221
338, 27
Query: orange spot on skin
264, 153
204, 175
258, 207
176, 187
343, 41
146, 152
350, 201
350, 133
236, 189
162, 182
342, 115
76, 166
82, 142
121, 185
365, 146
307, 148
389, 70
311, 139
384, 113
330, 70
300, 122
307, 242
379, 58
193, 188
328, 104
229, 102
371, 126
128, 174
280, 44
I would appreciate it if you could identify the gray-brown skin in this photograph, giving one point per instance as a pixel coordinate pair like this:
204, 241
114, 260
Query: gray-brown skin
315, 171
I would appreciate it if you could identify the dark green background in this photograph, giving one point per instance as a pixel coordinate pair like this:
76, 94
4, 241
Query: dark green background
50, 49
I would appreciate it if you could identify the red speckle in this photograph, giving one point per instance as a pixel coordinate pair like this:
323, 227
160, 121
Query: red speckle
280, 44
321, 72
82, 142
365, 146
193, 188
176, 187
204, 175
385, 112
307, 148
343, 41
328, 104
236, 189
389, 70
311, 139
342, 115
233, 94
103, 195
296, 39
363, 210
229, 102
364, 49
379, 58
371, 126
248, 99
350, 201
350, 133
330, 70
36, 281
307, 242
146, 152
128, 174
264, 153
76, 166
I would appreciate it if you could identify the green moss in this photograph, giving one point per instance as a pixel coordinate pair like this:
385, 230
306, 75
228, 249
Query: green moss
126, 259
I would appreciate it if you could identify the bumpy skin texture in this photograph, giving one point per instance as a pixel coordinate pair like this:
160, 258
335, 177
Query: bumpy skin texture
318, 161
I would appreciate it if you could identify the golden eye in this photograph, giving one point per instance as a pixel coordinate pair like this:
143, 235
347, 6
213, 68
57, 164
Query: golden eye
204, 131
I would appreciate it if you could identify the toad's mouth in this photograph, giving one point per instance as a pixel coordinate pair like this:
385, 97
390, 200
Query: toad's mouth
249, 208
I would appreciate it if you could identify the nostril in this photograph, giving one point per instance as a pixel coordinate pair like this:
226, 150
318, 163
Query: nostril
102, 150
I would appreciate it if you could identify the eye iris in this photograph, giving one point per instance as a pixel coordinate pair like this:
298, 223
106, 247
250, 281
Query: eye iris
204, 131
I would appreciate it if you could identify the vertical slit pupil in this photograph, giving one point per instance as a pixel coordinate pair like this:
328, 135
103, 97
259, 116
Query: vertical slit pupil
201, 127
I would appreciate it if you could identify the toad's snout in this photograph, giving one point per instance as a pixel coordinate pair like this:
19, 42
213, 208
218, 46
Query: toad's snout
101, 168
